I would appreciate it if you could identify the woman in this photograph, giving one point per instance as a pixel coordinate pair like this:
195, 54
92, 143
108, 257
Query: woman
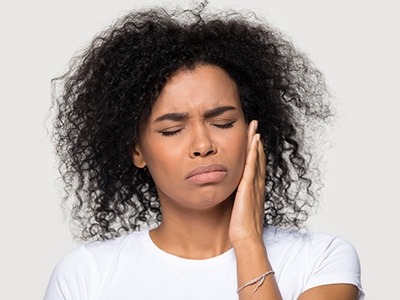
184, 150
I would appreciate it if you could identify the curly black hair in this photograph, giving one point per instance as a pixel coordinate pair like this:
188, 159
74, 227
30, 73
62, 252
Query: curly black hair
110, 87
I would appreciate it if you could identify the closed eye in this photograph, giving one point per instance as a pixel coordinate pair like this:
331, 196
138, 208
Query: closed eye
225, 125
170, 132
176, 131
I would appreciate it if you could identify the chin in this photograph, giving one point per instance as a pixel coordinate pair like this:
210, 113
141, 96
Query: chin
214, 202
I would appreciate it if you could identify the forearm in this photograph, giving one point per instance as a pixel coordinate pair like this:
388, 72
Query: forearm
252, 261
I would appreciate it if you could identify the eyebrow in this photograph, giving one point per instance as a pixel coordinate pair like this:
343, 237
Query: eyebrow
179, 116
215, 112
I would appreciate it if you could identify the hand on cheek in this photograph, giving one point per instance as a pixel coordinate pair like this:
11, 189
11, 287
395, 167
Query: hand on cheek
248, 210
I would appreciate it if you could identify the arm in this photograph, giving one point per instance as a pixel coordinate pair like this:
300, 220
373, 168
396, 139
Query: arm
72, 277
246, 227
331, 292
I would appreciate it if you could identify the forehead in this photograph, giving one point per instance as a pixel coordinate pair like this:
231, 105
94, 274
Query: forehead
197, 89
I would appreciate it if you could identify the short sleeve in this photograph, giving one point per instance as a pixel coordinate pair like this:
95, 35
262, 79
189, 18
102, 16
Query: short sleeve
334, 260
69, 280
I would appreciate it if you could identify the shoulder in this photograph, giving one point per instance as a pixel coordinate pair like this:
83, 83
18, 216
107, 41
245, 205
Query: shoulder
312, 242
99, 251
313, 258
325, 245
315, 247
80, 270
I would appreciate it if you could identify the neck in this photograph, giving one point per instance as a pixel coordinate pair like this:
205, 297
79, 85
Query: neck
194, 234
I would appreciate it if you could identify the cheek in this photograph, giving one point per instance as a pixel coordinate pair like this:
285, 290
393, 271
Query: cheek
162, 164
241, 159
236, 151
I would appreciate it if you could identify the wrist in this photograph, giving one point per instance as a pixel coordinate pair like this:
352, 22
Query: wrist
249, 244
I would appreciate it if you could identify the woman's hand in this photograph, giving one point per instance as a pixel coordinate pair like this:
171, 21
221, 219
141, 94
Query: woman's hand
248, 211
246, 225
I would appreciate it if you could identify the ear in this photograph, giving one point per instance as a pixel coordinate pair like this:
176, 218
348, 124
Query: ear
137, 157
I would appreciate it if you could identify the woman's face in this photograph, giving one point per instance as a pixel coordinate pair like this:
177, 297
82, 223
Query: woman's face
194, 142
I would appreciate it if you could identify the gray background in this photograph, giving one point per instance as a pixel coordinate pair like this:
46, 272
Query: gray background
356, 45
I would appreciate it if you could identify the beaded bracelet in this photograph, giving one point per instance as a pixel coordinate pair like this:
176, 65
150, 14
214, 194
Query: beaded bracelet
259, 279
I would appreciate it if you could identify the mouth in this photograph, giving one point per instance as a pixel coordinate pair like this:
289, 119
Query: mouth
213, 173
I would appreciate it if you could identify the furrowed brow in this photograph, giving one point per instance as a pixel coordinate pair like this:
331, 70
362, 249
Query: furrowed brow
215, 112
172, 117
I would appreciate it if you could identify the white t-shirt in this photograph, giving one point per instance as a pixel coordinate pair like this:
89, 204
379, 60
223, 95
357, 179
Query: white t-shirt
133, 267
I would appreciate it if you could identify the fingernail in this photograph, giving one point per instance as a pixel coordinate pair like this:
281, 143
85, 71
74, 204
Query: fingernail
255, 125
257, 137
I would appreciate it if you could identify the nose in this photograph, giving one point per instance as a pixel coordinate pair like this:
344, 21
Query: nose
202, 145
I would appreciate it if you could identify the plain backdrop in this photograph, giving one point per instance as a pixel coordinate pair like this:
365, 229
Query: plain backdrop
354, 43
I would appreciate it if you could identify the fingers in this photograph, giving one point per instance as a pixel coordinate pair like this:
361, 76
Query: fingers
248, 212
261, 171
262, 160
255, 161
251, 166
250, 133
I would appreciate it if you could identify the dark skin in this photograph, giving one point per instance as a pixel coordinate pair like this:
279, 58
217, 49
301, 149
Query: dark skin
331, 292
200, 111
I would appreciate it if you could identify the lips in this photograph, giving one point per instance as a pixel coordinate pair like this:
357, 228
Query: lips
207, 174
